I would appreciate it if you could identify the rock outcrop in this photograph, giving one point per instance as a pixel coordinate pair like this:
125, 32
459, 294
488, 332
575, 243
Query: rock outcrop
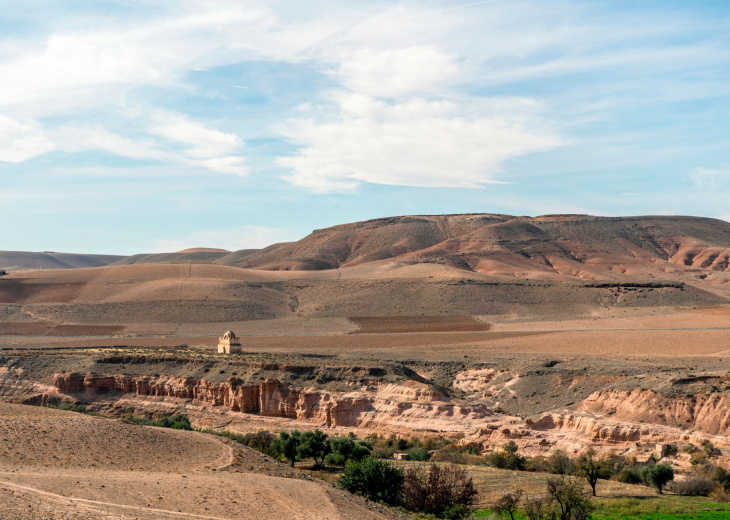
410, 406
707, 412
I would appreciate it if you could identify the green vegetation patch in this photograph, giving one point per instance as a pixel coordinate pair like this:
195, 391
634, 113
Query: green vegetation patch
654, 508
176, 422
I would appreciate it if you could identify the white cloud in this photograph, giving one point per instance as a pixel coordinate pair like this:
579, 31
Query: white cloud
707, 178
396, 72
234, 239
209, 150
20, 141
441, 143
205, 142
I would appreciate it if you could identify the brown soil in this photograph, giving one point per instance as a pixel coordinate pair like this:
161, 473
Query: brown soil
403, 324
64, 465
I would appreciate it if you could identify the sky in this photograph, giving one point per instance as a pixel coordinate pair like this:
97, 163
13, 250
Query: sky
136, 126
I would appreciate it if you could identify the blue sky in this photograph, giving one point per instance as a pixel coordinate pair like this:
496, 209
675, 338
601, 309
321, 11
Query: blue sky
137, 126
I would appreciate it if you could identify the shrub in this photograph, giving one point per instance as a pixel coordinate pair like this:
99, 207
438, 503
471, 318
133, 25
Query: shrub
559, 463
438, 491
722, 477
719, 495
697, 486
630, 475
417, 454
672, 449
375, 479
698, 458
537, 465
508, 458
537, 509
657, 475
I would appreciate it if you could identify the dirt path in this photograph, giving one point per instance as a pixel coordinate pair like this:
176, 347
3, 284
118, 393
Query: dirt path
71, 500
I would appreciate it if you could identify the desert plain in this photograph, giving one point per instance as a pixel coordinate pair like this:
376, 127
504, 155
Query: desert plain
556, 332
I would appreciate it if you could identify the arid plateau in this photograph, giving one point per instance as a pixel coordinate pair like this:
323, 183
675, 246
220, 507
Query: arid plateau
558, 332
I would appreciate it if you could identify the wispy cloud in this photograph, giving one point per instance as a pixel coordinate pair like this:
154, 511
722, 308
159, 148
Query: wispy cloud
441, 143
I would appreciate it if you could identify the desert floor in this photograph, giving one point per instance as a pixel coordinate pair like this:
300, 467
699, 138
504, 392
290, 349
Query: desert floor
65, 465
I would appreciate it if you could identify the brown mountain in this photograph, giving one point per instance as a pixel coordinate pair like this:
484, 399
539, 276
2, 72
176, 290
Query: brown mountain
534, 247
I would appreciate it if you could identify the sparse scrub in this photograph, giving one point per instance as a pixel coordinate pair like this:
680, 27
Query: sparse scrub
443, 491
696, 486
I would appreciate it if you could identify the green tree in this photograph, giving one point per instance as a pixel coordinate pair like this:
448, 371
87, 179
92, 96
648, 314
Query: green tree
591, 468
375, 479
343, 449
313, 445
288, 444
657, 475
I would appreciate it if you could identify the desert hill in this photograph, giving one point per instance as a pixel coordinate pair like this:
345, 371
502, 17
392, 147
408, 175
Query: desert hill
17, 260
531, 247
198, 254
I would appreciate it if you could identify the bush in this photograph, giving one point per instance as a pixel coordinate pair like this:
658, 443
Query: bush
698, 458
439, 491
417, 454
630, 475
508, 458
722, 477
375, 479
697, 486
559, 463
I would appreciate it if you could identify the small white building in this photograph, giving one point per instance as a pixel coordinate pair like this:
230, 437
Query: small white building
228, 344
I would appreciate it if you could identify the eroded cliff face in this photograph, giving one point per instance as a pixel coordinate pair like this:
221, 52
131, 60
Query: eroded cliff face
607, 419
409, 406
707, 412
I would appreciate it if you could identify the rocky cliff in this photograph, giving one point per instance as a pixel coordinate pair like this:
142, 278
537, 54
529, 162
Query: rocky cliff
707, 412
409, 406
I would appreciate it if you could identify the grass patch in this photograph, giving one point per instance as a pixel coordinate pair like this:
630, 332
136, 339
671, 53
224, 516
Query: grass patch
653, 508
